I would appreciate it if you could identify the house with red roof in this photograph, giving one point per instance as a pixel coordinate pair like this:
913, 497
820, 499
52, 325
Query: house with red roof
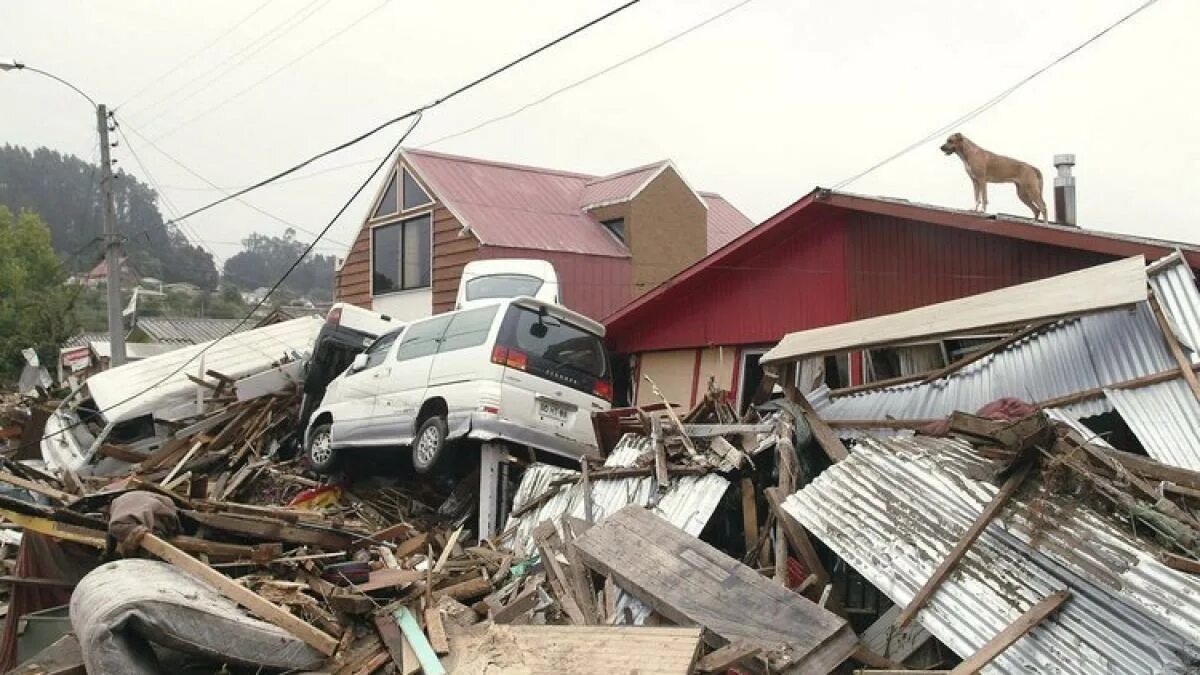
833, 257
611, 238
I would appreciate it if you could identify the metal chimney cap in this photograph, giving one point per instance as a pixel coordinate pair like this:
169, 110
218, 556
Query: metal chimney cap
1068, 160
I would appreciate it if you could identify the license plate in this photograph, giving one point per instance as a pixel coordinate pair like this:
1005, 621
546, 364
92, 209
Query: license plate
555, 411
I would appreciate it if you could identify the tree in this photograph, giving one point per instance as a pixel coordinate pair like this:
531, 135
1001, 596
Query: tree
65, 192
263, 259
35, 306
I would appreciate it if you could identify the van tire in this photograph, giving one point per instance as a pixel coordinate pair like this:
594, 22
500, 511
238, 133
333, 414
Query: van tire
429, 444
318, 452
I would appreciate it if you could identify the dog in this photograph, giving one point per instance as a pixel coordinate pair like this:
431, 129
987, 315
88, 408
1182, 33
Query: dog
985, 167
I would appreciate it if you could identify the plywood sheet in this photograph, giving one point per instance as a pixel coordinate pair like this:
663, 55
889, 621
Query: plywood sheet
496, 649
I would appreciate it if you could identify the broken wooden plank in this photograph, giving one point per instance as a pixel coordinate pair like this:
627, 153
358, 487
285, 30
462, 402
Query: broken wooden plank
416, 638
34, 486
265, 609
1178, 562
897, 644
683, 437
943, 570
448, 549
518, 606
797, 537
987, 350
560, 583
466, 590
389, 578
727, 657
272, 530
826, 438
660, 454
436, 631
690, 582
575, 650
1011, 634
749, 514
1181, 359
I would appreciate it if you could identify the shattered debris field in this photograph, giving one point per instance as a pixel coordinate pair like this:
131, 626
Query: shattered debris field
1032, 508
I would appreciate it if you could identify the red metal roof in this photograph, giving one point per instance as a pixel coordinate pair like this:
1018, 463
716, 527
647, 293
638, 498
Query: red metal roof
725, 222
515, 206
836, 256
619, 187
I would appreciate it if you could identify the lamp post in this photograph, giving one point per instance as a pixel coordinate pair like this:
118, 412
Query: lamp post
112, 244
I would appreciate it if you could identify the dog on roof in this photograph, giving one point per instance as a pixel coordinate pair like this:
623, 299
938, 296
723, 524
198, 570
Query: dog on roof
985, 167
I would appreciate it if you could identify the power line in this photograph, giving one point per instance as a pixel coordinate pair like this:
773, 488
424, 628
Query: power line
241, 56
304, 54
987, 105
191, 171
416, 114
428, 106
238, 24
593, 76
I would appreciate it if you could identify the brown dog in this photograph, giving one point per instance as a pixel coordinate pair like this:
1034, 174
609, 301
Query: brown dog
985, 167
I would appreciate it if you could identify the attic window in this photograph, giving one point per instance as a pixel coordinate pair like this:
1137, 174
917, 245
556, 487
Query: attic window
617, 227
413, 195
387, 203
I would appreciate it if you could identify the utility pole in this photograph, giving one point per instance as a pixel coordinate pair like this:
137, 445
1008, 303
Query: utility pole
112, 245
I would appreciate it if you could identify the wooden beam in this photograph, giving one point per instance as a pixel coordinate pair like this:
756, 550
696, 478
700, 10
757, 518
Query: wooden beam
981, 522
265, 609
826, 438
34, 486
727, 657
749, 514
272, 530
1011, 634
416, 638
1185, 364
660, 453
436, 631
797, 537
1178, 562
986, 351
683, 437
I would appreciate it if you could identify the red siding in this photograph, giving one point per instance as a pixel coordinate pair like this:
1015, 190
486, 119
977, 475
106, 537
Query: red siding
895, 264
592, 285
784, 280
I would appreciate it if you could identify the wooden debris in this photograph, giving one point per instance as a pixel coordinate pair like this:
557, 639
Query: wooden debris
727, 657
1011, 634
428, 658
647, 556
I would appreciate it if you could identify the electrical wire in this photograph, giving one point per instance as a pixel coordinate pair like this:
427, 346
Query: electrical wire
416, 116
238, 24
245, 203
428, 106
992, 102
239, 57
302, 55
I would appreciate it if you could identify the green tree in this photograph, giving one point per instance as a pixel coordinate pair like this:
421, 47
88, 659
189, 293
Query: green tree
35, 306
263, 259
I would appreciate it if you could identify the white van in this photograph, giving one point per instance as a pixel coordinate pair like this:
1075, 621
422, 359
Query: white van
485, 281
520, 370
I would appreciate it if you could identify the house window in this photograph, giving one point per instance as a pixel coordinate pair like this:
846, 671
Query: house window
617, 227
413, 195
387, 203
400, 255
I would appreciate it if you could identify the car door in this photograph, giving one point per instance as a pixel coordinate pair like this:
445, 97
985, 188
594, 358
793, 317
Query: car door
406, 377
463, 358
354, 402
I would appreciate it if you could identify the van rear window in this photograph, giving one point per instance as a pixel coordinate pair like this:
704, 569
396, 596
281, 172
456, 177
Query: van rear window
502, 286
555, 349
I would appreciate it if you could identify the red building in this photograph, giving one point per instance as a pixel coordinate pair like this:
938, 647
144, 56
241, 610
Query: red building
833, 257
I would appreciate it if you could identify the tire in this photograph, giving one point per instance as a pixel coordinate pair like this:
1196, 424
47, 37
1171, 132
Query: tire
319, 452
429, 444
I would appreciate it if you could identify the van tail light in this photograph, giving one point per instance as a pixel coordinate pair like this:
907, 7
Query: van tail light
490, 409
512, 358
334, 317
603, 389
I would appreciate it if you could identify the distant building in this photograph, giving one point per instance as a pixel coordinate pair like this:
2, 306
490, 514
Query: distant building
99, 274
184, 287
610, 238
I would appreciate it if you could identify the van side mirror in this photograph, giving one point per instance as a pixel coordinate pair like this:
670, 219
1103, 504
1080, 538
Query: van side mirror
359, 362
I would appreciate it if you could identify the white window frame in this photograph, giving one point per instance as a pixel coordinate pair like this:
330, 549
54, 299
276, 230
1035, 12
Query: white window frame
394, 220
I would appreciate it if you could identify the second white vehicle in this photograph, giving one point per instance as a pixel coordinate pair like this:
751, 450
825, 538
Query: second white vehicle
519, 370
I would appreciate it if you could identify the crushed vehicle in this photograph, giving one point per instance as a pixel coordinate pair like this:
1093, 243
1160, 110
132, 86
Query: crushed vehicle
140, 404
519, 370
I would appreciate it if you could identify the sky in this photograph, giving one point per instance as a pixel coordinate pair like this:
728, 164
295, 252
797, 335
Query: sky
761, 105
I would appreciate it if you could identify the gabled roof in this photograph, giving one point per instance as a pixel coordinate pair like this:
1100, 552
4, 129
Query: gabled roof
517, 206
188, 331
1004, 225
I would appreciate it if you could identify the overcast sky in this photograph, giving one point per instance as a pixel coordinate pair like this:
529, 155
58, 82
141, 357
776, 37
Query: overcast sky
760, 105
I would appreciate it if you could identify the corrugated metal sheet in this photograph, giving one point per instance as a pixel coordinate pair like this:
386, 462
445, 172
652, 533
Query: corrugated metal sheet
1165, 417
1175, 285
895, 508
184, 331
618, 187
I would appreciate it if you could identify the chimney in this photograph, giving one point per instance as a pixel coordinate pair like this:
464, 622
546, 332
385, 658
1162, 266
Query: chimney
1064, 191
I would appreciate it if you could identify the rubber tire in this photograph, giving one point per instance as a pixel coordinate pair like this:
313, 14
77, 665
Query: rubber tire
437, 423
330, 463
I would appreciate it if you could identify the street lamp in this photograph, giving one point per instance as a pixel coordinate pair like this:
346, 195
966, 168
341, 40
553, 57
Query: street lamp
112, 245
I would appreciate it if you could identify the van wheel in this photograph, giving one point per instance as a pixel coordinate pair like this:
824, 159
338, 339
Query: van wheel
320, 454
428, 445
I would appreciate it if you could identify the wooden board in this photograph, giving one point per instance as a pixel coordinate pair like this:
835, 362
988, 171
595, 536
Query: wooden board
272, 530
574, 650
1011, 634
260, 606
1117, 284
690, 582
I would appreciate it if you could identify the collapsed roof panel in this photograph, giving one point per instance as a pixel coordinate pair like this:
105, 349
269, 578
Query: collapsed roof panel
895, 508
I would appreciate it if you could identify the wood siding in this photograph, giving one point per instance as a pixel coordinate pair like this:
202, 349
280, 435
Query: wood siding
354, 279
452, 250
666, 231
